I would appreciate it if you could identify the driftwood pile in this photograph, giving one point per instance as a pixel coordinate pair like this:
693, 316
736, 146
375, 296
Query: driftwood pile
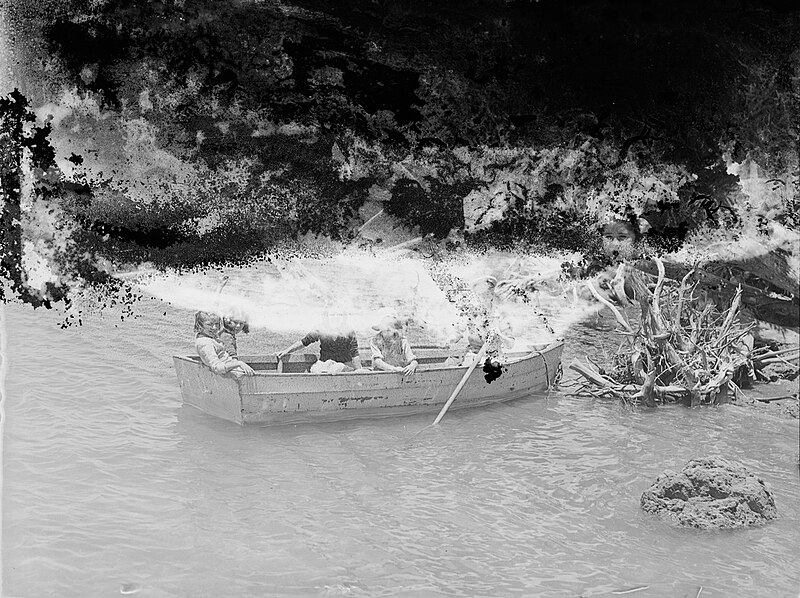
683, 349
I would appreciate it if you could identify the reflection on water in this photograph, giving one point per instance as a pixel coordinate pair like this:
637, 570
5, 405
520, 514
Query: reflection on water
111, 485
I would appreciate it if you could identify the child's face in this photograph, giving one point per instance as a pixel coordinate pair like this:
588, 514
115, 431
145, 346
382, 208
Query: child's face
391, 335
619, 231
233, 325
474, 342
618, 240
211, 327
485, 294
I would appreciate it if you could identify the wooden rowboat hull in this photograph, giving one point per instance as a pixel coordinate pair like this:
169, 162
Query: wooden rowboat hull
270, 397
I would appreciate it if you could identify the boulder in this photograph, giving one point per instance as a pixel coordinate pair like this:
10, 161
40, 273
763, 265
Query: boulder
711, 493
482, 207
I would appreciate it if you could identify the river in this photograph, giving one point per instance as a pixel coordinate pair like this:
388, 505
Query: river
111, 486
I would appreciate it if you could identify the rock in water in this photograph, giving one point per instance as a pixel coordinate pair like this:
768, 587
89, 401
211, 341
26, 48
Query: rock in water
711, 493
129, 588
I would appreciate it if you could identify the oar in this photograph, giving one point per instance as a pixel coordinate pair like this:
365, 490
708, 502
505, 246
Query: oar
218, 297
461, 384
280, 365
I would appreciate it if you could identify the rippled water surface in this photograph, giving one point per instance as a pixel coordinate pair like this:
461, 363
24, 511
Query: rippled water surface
111, 486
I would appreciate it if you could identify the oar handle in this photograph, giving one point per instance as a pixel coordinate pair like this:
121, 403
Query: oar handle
461, 384
218, 297
280, 365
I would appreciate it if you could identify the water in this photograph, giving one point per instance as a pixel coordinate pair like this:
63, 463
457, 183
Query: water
111, 486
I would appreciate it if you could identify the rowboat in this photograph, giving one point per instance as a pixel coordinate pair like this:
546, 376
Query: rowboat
295, 395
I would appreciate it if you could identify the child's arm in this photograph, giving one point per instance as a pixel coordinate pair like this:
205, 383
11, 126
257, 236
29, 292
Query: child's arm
291, 348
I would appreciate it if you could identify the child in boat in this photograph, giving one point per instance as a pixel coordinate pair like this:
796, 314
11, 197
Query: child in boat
486, 323
232, 324
212, 352
391, 351
500, 340
338, 347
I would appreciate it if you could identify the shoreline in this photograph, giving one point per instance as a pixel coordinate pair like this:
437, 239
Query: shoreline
780, 397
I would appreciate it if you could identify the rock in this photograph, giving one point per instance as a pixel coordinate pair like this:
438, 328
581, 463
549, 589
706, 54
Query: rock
482, 208
711, 493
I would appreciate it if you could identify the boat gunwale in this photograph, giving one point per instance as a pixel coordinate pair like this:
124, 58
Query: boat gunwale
272, 374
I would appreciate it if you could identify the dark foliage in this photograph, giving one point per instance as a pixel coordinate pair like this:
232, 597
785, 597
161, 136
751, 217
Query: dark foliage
436, 211
14, 138
676, 72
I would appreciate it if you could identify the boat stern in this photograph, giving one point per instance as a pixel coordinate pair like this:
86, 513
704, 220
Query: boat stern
213, 394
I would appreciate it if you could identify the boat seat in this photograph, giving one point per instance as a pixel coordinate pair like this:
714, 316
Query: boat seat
293, 363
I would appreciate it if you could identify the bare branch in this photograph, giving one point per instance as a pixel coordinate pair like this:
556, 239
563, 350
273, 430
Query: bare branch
617, 314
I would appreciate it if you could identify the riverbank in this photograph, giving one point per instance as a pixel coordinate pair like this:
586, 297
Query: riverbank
781, 397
